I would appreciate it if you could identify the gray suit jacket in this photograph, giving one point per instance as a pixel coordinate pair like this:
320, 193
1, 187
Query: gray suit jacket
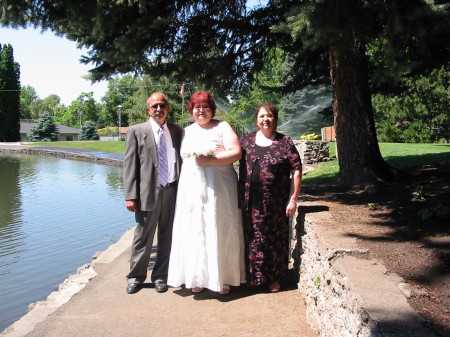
140, 165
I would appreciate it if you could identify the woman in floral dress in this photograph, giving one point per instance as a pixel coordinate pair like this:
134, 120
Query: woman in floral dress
270, 174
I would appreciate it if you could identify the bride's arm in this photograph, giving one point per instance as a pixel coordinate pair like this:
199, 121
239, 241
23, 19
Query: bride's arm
232, 150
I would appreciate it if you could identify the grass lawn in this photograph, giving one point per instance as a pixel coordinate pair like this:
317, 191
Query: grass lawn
398, 155
110, 146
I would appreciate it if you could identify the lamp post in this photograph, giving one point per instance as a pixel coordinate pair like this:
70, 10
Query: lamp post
119, 109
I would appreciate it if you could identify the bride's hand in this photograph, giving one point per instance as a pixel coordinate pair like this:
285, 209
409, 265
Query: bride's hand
203, 161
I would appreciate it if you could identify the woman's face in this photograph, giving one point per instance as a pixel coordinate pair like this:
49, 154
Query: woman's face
202, 113
265, 120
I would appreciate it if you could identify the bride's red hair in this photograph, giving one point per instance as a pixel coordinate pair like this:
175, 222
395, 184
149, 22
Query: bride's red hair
202, 97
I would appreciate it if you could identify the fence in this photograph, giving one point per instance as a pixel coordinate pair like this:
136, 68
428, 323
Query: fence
328, 134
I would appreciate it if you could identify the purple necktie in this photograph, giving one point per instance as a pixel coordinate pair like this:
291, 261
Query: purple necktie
162, 158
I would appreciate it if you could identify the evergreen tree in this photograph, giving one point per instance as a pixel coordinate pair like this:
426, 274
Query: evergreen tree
222, 44
339, 33
306, 111
88, 132
9, 96
420, 114
45, 130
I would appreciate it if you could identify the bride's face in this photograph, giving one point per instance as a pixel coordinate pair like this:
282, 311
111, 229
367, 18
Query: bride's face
202, 113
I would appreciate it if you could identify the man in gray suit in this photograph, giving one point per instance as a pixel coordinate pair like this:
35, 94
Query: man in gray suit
150, 169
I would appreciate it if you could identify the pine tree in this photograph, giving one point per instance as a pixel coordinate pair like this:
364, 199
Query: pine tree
9, 96
222, 44
89, 132
45, 130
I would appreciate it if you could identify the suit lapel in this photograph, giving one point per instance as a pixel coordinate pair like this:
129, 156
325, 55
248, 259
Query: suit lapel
150, 143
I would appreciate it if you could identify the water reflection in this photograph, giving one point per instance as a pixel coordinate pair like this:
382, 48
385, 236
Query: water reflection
54, 215
12, 239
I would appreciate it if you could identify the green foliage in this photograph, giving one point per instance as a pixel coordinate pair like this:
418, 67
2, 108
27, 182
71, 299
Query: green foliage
373, 205
45, 130
306, 111
420, 114
82, 109
318, 282
121, 92
418, 193
399, 37
222, 45
264, 88
195, 40
88, 132
340, 32
433, 212
68, 116
131, 93
9, 96
48, 104
27, 96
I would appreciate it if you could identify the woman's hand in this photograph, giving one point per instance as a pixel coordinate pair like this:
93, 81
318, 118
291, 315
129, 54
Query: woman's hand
291, 208
204, 161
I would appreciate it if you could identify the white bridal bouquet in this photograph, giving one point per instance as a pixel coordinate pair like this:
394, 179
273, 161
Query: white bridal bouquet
205, 150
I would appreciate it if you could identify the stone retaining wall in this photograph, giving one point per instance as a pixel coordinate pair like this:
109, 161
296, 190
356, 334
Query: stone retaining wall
313, 151
62, 154
332, 307
347, 293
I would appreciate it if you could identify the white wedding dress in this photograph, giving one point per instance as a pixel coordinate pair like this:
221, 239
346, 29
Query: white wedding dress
207, 241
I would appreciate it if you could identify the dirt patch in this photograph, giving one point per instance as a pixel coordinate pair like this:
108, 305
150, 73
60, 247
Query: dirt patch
406, 227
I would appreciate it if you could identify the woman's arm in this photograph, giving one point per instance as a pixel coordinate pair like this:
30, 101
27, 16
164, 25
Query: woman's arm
296, 185
232, 149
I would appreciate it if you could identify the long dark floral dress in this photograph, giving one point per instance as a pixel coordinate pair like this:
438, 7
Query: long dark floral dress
264, 187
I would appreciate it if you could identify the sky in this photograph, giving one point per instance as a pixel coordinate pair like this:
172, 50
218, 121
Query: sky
50, 64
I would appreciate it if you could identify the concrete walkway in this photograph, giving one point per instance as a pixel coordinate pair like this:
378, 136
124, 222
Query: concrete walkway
95, 303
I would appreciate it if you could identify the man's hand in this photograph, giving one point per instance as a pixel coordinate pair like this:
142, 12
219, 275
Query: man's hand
131, 205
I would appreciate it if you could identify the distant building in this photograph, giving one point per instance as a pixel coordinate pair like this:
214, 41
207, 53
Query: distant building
110, 133
66, 133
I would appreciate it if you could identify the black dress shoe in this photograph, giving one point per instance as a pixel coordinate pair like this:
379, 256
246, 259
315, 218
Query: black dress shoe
133, 288
160, 286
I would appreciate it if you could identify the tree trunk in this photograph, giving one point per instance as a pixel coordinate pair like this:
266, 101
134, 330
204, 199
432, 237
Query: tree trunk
360, 160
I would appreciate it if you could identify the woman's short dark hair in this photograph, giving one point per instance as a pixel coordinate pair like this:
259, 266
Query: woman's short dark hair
269, 107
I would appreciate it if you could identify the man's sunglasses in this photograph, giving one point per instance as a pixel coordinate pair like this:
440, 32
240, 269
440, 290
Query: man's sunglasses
161, 106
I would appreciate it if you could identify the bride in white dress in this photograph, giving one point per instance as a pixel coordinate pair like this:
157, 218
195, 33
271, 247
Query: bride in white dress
207, 241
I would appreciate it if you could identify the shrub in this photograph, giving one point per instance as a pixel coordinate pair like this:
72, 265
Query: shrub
89, 132
45, 130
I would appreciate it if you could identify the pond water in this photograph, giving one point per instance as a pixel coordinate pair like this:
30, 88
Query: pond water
55, 214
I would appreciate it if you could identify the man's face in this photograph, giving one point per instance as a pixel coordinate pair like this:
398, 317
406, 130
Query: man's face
157, 108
